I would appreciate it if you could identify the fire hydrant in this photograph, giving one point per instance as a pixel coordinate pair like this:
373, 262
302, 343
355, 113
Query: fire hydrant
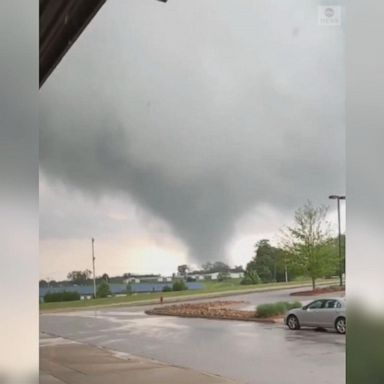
161, 299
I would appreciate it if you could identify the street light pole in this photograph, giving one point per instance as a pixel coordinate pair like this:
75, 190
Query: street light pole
338, 198
93, 267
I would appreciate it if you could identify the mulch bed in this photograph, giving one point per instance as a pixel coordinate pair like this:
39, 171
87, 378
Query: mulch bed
220, 310
319, 291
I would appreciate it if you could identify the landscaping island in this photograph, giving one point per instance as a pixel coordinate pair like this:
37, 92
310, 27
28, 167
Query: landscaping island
221, 310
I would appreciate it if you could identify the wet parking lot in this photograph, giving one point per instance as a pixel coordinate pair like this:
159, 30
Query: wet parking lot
245, 351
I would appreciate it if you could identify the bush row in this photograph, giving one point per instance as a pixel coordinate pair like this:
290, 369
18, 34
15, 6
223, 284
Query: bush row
103, 290
275, 309
178, 285
61, 296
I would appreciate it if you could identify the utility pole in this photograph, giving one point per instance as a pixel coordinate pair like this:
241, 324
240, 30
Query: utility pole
338, 198
93, 266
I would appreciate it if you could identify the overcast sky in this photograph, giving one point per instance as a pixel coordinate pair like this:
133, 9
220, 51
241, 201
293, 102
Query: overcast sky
186, 132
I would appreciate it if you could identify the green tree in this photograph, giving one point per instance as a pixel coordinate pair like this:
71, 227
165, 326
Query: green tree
265, 261
207, 267
103, 289
217, 266
183, 269
268, 262
79, 277
334, 251
307, 242
250, 277
105, 277
179, 285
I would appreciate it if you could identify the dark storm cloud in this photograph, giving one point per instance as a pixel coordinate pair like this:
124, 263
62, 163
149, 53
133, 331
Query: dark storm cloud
199, 111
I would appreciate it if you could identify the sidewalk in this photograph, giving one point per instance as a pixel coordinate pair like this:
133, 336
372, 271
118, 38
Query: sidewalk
66, 362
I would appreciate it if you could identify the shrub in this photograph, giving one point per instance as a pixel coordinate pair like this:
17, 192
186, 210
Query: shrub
167, 288
61, 296
294, 304
275, 309
103, 290
250, 277
179, 285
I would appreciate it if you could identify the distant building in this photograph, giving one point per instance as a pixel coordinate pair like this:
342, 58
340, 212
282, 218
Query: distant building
164, 279
236, 275
199, 276
130, 280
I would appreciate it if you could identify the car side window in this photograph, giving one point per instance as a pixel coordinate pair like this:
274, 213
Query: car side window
316, 304
330, 304
338, 304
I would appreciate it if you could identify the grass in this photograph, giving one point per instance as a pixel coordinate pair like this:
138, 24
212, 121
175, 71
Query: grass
275, 309
211, 289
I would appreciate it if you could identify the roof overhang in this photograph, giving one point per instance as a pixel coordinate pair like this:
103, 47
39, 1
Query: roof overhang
61, 23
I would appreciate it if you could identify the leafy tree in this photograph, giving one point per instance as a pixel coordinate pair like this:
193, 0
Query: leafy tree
269, 262
250, 277
103, 290
105, 277
183, 269
265, 261
307, 242
217, 266
43, 283
207, 267
334, 251
79, 277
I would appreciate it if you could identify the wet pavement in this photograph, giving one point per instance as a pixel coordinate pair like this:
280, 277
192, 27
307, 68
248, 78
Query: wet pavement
77, 363
247, 352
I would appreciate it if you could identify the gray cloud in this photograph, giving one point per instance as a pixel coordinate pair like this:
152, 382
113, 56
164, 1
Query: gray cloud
199, 111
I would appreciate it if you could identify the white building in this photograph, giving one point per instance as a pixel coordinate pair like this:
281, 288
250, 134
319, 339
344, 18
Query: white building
236, 275
164, 279
131, 280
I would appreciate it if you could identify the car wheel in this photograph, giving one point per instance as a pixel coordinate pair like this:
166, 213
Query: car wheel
341, 325
293, 322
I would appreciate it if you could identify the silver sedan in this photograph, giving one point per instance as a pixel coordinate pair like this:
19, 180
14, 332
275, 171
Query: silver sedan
322, 313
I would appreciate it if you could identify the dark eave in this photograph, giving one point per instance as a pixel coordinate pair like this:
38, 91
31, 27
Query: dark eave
61, 23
